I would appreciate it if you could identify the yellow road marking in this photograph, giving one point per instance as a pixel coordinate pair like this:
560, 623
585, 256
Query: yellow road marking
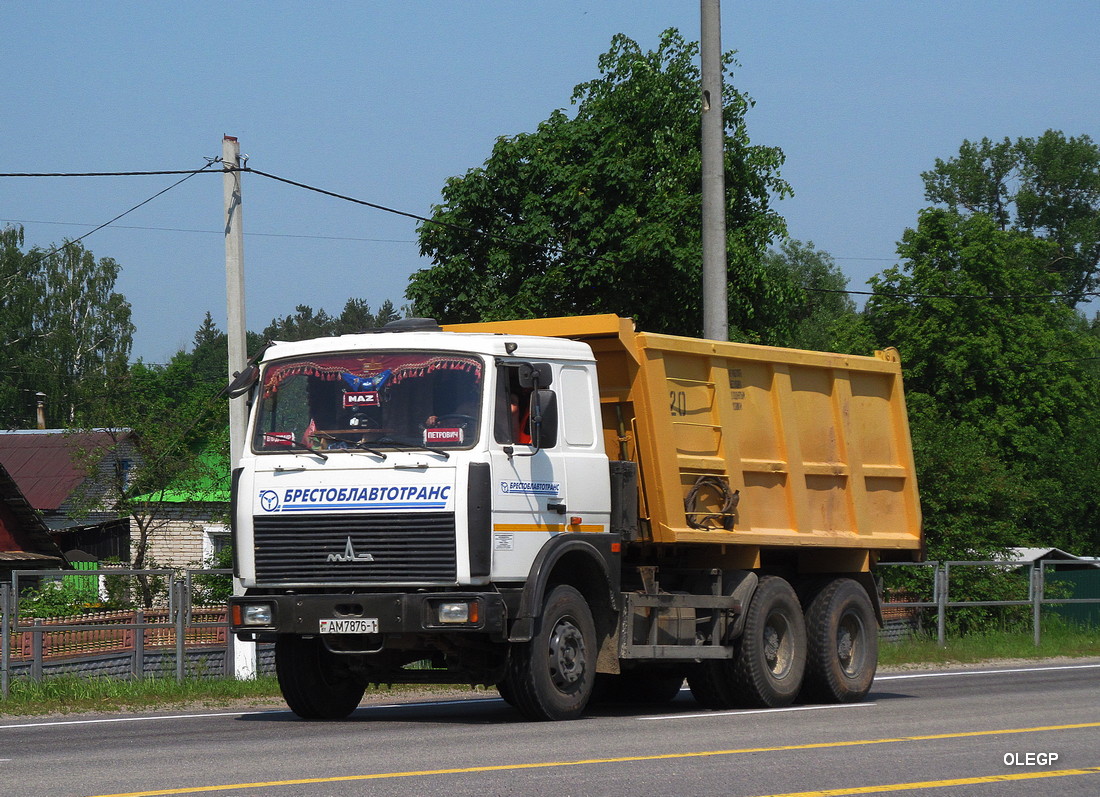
937, 784
671, 756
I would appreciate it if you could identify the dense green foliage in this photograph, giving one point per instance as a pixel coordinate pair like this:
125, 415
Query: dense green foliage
599, 212
64, 330
1047, 187
305, 323
818, 312
1001, 372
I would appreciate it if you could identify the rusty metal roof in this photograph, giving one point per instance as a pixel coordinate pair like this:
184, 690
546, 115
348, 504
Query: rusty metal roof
24, 526
46, 463
33, 558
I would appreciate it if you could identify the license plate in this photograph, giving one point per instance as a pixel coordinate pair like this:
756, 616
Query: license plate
350, 625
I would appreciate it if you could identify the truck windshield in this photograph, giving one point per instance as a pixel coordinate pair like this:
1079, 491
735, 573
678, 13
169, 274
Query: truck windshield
370, 400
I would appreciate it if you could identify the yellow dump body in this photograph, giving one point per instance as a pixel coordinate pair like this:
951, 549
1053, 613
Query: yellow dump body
816, 445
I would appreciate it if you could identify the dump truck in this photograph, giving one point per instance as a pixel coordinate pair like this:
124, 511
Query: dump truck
570, 510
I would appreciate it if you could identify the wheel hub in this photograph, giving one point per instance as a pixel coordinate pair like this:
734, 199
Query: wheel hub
567, 654
849, 649
778, 652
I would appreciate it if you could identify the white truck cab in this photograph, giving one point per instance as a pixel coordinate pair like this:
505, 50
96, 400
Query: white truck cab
398, 489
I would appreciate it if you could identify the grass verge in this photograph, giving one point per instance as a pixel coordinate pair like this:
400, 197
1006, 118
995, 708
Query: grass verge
1058, 641
71, 694
66, 694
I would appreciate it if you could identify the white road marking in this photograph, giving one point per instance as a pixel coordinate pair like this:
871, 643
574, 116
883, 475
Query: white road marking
753, 711
895, 677
903, 676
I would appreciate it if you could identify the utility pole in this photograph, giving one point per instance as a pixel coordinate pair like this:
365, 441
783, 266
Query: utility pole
715, 310
244, 653
234, 289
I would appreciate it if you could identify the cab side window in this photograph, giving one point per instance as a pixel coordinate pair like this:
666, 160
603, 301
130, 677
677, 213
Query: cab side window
512, 425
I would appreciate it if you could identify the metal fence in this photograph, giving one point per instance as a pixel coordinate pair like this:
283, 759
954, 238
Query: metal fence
1034, 576
173, 636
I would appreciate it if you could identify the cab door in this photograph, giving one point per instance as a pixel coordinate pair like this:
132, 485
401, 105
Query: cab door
530, 488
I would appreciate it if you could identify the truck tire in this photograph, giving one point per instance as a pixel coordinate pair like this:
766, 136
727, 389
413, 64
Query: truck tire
842, 644
506, 693
769, 656
551, 677
315, 683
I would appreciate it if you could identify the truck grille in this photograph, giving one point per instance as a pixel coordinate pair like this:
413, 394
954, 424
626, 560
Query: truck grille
313, 549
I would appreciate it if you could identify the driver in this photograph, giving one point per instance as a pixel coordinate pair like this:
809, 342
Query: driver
466, 406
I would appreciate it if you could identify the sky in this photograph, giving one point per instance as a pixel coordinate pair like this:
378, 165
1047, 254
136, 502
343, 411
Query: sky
384, 101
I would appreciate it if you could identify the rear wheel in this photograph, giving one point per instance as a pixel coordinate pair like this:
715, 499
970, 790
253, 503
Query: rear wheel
842, 644
551, 677
315, 682
769, 656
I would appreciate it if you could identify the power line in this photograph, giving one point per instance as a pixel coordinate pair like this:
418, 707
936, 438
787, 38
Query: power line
472, 230
951, 295
57, 249
307, 187
217, 232
603, 257
414, 216
109, 174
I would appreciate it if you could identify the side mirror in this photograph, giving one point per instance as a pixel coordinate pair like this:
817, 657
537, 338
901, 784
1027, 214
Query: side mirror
544, 419
243, 381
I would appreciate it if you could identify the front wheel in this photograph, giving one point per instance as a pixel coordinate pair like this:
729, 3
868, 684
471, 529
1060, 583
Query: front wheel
315, 682
551, 677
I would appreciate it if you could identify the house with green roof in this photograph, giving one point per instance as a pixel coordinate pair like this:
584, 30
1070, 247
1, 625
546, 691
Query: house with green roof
187, 522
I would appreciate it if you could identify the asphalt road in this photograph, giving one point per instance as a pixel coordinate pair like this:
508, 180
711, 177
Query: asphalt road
1032, 729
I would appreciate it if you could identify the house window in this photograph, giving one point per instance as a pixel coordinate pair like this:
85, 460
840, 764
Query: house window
124, 469
216, 539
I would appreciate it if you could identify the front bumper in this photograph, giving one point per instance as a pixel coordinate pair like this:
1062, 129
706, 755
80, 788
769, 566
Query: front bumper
396, 613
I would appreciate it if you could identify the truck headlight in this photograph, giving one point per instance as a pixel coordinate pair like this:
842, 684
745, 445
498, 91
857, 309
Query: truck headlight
458, 612
256, 614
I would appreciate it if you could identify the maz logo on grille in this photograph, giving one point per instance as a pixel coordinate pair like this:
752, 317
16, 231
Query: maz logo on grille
349, 555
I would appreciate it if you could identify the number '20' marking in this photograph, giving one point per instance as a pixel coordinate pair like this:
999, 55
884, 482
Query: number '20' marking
678, 402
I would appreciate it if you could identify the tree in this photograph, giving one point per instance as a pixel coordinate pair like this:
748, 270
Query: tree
386, 313
65, 331
17, 303
972, 315
600, 212
1048, 187
176, 420
997, 380
813, 318
305, 323
82, 329
355, 317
